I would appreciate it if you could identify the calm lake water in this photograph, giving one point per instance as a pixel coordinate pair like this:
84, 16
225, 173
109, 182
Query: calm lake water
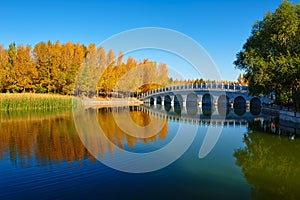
248, 155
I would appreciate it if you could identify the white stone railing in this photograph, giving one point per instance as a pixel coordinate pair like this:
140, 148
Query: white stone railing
191, 87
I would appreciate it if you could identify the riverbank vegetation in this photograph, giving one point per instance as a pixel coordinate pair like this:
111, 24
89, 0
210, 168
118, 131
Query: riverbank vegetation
271, 55
26, 102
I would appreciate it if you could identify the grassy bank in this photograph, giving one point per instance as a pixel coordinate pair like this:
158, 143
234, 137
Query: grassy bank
30, 101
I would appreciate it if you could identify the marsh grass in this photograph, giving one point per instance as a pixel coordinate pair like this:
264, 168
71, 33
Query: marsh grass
30, 101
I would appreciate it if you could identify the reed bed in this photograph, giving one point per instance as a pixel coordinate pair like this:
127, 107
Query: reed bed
30, 101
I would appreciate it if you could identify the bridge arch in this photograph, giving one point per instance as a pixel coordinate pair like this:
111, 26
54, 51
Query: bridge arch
223, 105
223, 101
158, 100
168, 100
207, 110
151, 101
168, 107
191, 100
255, 106
255, 102
177, 109
223, 111
192, 110
239, 102
178, 100
207, 99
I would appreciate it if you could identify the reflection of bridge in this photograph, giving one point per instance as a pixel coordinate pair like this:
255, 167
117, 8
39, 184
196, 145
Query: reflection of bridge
203, 94
205, 117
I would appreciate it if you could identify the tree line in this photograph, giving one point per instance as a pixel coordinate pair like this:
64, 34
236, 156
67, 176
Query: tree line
271, 55
53, 68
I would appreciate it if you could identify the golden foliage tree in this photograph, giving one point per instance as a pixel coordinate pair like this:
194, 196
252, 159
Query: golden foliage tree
53, 67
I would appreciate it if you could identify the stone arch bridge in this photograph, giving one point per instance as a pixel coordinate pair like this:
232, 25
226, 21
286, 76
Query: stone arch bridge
204, 94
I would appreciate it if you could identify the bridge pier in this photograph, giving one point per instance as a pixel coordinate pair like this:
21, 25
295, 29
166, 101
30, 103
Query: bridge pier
184, 98
172, 103
199, 100
231, 103
247, 104
215, 101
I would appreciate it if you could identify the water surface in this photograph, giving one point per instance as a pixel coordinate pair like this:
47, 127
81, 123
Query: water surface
43, 156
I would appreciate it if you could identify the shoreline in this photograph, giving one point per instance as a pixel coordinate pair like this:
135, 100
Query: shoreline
37, 101
111, 102
283, 115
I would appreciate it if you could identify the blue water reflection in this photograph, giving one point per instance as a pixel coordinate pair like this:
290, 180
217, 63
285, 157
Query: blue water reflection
42, 156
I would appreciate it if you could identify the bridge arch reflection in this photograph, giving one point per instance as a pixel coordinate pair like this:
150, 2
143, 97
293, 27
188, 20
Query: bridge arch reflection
239, 102
207, 100
201, 114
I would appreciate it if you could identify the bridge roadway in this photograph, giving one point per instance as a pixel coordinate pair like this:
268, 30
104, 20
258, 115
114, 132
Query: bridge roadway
203, 94
203, 117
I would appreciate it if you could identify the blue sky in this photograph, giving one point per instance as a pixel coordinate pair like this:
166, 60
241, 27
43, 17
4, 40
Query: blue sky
220, 27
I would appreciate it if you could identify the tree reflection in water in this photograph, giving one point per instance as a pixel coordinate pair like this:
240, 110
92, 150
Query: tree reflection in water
51, 138
270, 163
120, 138
44, 137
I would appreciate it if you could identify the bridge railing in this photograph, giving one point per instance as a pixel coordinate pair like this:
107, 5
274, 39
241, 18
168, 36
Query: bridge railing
207, 86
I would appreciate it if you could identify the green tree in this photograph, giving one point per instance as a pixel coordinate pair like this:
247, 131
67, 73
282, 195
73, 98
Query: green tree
271, 55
